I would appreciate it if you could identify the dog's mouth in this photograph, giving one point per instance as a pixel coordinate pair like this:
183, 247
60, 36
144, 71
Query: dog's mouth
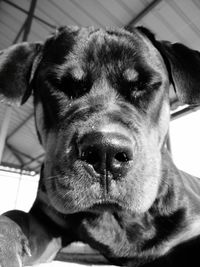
103, 206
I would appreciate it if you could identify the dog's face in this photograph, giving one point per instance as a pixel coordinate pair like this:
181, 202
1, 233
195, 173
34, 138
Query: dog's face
103, 96
102, 113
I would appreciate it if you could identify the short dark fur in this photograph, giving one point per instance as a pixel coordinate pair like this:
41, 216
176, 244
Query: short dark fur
91, 86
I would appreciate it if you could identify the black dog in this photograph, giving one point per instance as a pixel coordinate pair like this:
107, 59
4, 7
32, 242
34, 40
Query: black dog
102, 112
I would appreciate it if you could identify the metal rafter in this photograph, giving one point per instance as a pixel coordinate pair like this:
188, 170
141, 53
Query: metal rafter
16, 155
34, 16
19, 126
20, 32
20, 153
29, 20
144, 12
33, 160
184, 111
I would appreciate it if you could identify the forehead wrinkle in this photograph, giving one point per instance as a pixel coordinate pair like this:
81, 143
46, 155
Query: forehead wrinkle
105, 52
93, 49
103, 46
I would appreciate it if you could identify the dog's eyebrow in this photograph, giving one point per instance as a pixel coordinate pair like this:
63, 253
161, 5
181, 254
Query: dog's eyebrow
63, 70
131, 75
77, 73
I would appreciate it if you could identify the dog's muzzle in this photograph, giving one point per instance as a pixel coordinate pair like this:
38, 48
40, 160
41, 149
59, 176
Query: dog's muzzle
107, 153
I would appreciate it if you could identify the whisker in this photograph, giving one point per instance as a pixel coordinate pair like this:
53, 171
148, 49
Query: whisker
52, 177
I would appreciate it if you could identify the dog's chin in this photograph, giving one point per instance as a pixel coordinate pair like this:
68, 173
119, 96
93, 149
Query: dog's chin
74, 204
94, 206
98, 206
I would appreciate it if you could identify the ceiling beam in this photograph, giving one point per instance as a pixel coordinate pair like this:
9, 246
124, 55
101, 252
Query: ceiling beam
19, 152
20, 32
33, 160
34, 16
144, 12
16, 155
184, 111
28, 23
19, 126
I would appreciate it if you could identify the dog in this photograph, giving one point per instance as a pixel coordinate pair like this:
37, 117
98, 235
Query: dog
102, 111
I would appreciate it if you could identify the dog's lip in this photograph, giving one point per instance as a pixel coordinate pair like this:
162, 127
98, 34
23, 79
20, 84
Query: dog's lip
101, 206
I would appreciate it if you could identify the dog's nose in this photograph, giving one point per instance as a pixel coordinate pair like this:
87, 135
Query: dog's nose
106, 152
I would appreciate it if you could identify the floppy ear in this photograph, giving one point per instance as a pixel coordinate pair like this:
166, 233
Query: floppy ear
183, 66
17, 67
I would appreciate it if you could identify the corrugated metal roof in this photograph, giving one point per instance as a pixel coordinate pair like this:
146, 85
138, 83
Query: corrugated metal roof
176, 21
173, 20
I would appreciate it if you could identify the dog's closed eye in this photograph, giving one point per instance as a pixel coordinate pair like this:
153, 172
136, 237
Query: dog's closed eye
72, 86
134, 86
140, 88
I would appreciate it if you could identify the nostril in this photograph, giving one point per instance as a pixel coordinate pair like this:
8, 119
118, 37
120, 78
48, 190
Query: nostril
106, 153
122, 157
90, 155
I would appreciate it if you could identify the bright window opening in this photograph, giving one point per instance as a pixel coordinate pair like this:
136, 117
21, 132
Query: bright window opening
185, 142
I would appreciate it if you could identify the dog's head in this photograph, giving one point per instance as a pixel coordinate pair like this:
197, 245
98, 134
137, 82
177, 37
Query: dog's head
102, 111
